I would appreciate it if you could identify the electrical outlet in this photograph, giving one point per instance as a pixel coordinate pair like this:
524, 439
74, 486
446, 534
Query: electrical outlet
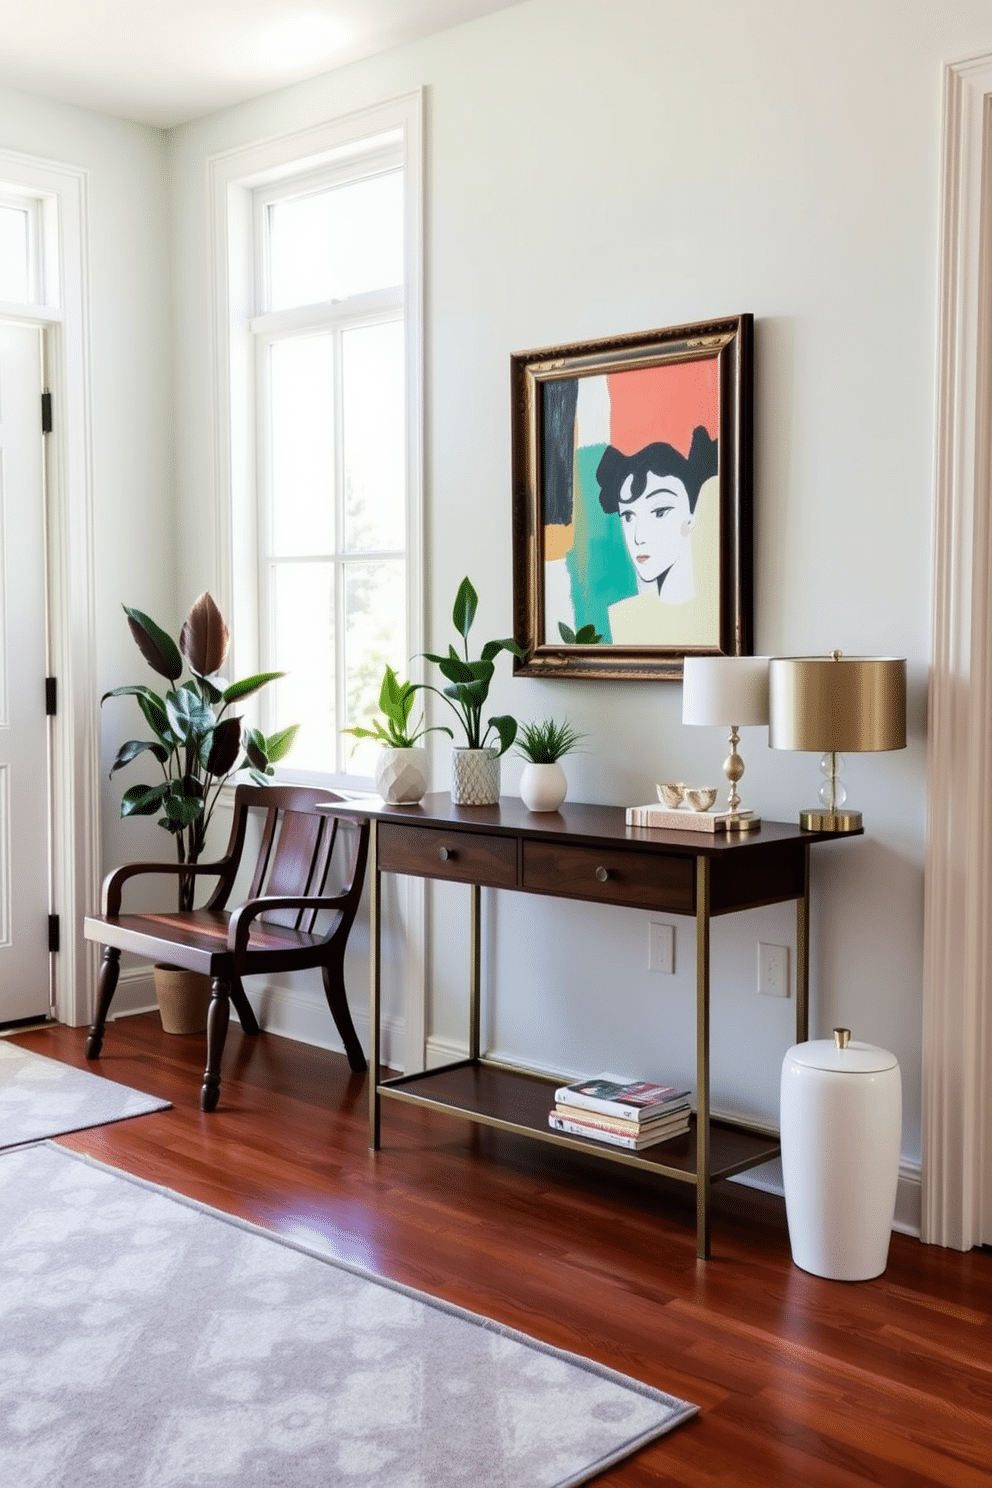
661, 947
773, 970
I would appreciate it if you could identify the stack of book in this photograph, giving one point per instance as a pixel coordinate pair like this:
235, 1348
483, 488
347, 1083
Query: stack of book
625, 1113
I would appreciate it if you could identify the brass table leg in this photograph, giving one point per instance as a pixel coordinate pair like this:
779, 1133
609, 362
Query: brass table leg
703, 1058
475, 971
375, 988
802, 955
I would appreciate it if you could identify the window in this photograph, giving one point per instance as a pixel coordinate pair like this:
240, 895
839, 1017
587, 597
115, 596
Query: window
318, 250
20, 245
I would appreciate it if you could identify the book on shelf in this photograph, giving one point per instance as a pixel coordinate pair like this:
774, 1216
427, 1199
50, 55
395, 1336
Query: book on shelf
620, 1124
657, 1131
614, 1095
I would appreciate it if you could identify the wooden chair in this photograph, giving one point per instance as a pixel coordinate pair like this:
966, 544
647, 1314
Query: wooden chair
311, 864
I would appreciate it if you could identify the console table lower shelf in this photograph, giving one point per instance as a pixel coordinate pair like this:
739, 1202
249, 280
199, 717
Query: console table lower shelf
518, 1100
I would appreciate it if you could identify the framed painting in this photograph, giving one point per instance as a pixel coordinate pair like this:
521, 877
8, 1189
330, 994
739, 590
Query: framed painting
632, 523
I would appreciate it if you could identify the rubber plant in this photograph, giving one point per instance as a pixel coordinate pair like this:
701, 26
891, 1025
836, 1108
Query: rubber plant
197, 743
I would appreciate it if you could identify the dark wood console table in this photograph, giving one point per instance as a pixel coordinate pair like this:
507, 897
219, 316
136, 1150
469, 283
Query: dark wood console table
588, 853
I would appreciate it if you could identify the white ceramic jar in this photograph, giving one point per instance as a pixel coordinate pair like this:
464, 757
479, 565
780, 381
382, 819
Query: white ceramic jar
543, 787
841, 1123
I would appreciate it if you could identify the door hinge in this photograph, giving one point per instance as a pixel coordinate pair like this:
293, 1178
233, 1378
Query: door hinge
51, 696
53, 932
46, 412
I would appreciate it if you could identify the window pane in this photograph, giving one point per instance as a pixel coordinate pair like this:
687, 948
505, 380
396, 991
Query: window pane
375, 634
302, 430
335, 243
374, 447
302, 631
14, 255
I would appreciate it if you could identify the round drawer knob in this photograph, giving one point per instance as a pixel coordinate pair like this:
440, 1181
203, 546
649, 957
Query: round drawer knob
602, 874
445, 854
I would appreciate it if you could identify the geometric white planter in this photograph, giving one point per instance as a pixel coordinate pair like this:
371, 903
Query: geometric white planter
401, 775
543, 787
841, 1124
474, 776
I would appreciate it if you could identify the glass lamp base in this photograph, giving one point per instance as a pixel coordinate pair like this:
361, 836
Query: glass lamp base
830, 821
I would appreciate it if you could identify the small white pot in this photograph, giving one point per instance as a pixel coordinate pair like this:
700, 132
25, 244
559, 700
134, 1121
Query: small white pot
474, 777
401, 775
543, 787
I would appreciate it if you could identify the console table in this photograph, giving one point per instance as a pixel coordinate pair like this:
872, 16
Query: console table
587, 852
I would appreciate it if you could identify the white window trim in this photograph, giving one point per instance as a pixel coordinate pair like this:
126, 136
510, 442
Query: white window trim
61, 191
232, 178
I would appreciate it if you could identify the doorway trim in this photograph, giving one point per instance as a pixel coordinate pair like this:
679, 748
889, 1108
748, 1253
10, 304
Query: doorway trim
957, 994
75, 837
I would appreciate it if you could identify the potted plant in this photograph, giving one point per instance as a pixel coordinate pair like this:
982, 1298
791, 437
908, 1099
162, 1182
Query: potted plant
197, 743
543, 785
402, 770
475, 764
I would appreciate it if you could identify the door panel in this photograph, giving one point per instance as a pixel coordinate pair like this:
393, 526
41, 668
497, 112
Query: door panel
24, 792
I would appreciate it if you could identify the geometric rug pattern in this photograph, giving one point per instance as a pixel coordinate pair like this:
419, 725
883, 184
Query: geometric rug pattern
42, 1098
149, 1342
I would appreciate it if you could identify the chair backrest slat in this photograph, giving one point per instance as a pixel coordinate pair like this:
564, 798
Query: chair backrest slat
298, 848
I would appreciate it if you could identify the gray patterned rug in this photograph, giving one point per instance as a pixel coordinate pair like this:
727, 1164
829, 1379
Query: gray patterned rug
148, 1342
40, 1098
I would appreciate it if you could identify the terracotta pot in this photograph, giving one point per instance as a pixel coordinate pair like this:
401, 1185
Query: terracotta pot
183, 999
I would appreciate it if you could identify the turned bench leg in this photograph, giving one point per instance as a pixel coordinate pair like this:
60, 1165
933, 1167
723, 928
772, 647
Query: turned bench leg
106, 987
218, 1017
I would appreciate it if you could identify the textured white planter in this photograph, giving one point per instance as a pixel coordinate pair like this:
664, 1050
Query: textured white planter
841, 1128
474, 777
401, 775
543, 787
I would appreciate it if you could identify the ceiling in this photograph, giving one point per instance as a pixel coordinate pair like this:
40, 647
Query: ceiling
163, 62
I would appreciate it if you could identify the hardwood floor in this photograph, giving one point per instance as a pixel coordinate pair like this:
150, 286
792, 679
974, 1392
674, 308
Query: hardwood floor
800, 1381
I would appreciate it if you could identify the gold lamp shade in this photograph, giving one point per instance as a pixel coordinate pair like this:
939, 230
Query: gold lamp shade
832, 705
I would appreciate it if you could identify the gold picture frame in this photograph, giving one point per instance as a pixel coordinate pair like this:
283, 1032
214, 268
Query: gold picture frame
632, 510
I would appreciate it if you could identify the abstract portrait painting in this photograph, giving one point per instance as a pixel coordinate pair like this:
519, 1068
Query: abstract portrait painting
632, 463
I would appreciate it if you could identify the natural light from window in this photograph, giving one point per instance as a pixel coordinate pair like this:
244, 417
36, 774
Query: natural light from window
15, 279
332, 464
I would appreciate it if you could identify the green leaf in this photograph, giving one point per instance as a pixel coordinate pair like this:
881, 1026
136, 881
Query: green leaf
189, 716
133, 748
466, 604
278, 745
248, 685
224, 747
506, 727
493, 648
566, 633
183, 811
587, 635
255, 750
159, 650
143, 800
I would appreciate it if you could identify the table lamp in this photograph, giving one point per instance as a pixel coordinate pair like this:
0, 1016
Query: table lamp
831, 705
729, 692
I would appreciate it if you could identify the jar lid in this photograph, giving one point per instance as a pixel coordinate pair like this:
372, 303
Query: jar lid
842, 1053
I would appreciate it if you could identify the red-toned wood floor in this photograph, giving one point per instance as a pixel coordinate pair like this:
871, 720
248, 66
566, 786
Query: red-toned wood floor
801, 1381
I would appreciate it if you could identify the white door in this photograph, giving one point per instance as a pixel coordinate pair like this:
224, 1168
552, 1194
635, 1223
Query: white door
24, 790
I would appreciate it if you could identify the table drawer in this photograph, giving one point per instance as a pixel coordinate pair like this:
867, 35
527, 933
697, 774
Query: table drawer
639, 879
430, 852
